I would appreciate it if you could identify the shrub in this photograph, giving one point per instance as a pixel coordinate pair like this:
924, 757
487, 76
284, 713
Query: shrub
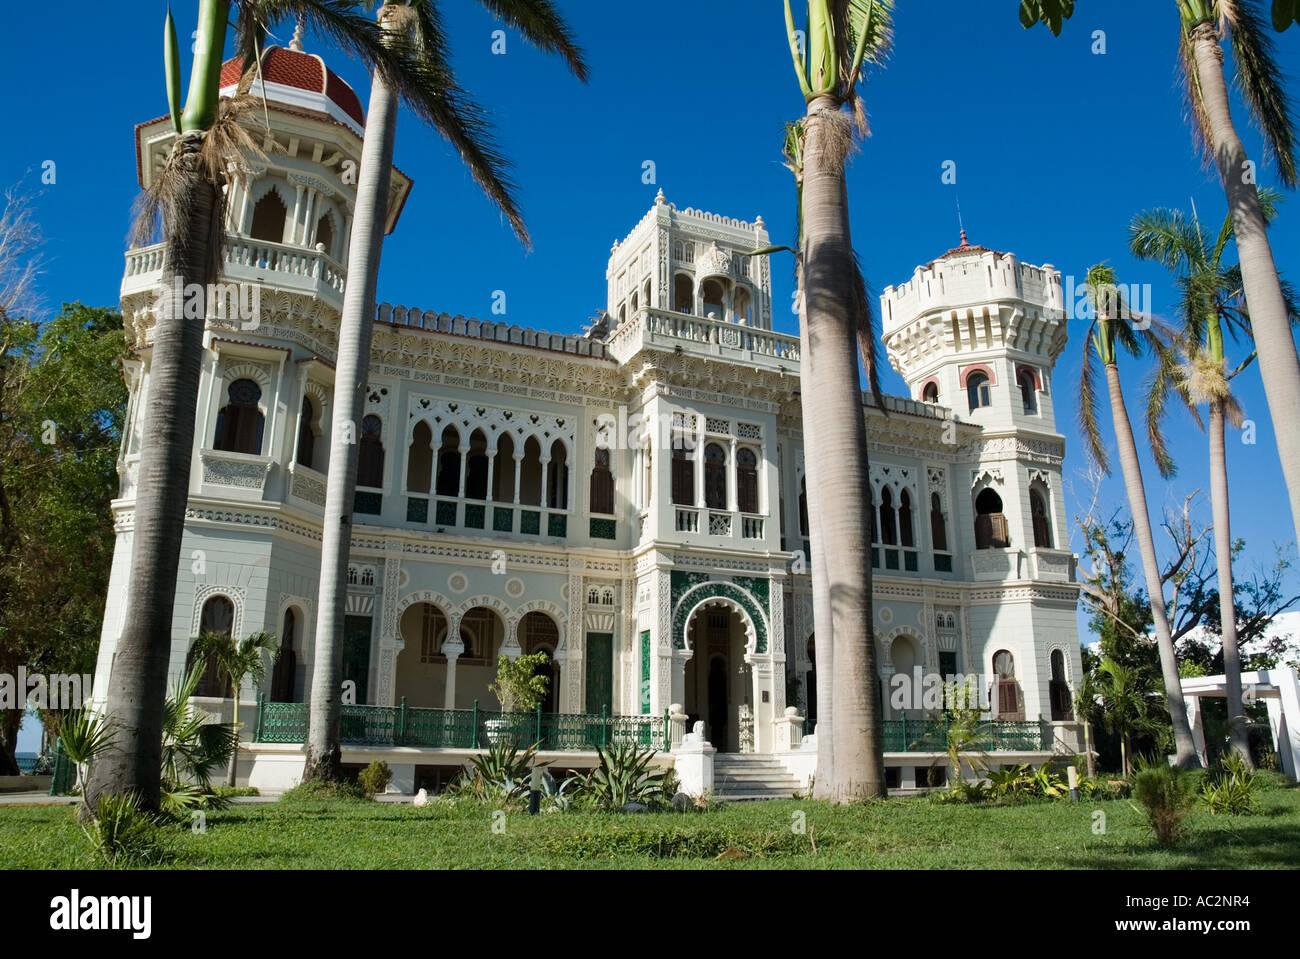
226, 792
324, 790
375, 778
1167, 795
500, 775
121, 835
1230, 788
624, 776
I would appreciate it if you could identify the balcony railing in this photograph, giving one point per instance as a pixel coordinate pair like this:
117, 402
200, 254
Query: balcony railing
279, 265
931, 735
415, 726
666, 330
449, 512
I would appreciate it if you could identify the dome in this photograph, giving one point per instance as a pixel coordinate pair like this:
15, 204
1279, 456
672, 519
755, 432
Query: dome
300, 80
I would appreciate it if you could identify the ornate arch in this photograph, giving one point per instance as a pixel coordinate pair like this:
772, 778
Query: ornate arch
552, 610
233, 593
690, 601
751, 633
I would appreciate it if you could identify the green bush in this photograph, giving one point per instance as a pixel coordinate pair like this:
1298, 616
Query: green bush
375, 778
1230, 788
1167, 795
227, 792
122, 836
323, 790
675, 841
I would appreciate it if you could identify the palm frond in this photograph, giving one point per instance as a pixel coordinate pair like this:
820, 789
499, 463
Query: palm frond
1193, 101
540, 23
1167, 377
1168, 237
1088, 423
866, 333
1261, 82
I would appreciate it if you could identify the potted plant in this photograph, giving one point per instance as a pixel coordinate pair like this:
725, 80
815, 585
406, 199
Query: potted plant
519, 686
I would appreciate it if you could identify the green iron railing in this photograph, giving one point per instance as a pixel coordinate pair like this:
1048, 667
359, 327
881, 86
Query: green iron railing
475, 728
931, 735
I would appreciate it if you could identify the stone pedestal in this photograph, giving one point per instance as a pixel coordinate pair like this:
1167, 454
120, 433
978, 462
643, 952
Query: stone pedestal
693, 760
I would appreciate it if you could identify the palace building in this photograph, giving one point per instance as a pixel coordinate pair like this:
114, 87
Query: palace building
628, 499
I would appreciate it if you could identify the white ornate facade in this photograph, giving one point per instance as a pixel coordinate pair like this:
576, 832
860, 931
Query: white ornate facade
520, 490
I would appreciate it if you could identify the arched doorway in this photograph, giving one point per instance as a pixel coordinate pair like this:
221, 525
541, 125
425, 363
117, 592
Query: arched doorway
538, 633
718, 682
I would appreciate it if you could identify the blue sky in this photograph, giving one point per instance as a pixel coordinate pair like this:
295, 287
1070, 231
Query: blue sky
1055, 149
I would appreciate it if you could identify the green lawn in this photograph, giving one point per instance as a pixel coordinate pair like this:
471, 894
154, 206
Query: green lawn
898, 833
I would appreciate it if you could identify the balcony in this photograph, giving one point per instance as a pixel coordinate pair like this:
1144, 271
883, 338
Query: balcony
449, 512
1052, 565
237, 471
720, 524
672, 332
277, 265
992, 565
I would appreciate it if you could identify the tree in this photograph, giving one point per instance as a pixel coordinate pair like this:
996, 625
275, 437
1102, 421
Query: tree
1203, 26
238, 661
1127, 707
185, 203
414, 27
62, 403
1108, 332
1210, 306
841, 36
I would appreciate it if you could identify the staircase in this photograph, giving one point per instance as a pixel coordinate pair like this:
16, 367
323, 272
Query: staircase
741, 776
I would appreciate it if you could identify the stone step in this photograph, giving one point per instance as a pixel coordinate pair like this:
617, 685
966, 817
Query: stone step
756, 775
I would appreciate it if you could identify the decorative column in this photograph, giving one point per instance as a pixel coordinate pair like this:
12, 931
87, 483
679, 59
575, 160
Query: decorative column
390, 642
451, 648
297, 213
464, 459
546, 478
572, 673
733, 495
492, 466
519, 459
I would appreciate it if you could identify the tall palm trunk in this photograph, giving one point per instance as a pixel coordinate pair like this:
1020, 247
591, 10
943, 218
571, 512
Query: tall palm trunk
838, 458
823, 629
137, 688
1279, 365
355, 328
1223, 557
234, 754
1184, 747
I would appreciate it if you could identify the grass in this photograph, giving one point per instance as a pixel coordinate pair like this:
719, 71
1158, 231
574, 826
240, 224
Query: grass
892, 834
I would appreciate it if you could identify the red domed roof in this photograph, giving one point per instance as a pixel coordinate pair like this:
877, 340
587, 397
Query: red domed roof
304, 71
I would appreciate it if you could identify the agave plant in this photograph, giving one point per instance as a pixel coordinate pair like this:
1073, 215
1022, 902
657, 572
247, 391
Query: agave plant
502, 774
624, 776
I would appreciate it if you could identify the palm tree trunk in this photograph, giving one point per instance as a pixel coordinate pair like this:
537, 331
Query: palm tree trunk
138, 686
355, 328
1184, 747
234, 756
1279, 365
1223, 557
823, 629
1087, 749
838, 459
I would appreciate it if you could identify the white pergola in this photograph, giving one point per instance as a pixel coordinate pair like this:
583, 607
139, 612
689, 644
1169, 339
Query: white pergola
1280, 691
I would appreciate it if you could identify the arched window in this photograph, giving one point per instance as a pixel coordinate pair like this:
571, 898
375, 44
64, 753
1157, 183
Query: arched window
746, 480
714, 296
602, 484
1061, 700
1028, 393
503, 480
888, 520
872, 518
635, 302
240, 421
370, 453
715, 476
803, 506
557, 477
645, 295
938, 529
307, 433
743, 308
286, 663
476, 467
977, 390
419, 459
1042, 524
930, 393
683, 476
433, 632
325, 233
269, 217
448, 481
683, 294
905, 533
1007, 701
530, 473
217, 617
990, 523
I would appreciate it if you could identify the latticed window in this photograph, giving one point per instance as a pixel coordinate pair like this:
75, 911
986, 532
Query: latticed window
1008, 690
240, 421
370, 454
715, 477
990, 523
905, 533
1042, 525
746, 481
433, 627
938, 530
602, 484
888, 521
307, 433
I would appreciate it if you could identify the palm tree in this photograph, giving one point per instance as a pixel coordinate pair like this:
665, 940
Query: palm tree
1203, 26
188, 197
1211, 304
1127, 709
238, 661
1085, 708
841, 36
414, 26
1108, 332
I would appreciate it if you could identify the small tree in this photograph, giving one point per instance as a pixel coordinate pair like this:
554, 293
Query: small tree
238, 661
519, 685
1128, 709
